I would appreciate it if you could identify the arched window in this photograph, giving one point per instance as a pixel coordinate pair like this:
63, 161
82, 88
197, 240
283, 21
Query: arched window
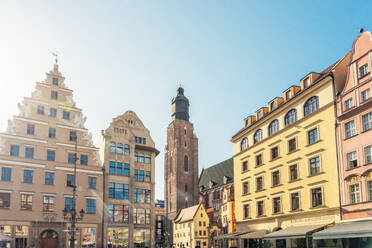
141, 158
148, 159
119, 148
311, 105
244, 144
186, 163
273, 127
126, 149
290, 117
257, 136
112, 147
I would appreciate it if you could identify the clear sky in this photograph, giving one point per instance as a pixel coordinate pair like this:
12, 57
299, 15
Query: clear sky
232, 57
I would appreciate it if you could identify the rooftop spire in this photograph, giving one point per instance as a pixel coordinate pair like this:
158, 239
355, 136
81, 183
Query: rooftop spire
180, 106
55, 69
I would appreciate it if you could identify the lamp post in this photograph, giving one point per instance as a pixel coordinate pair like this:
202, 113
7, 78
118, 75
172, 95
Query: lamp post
71, 214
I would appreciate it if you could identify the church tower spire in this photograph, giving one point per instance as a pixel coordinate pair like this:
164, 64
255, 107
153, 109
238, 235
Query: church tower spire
180, 106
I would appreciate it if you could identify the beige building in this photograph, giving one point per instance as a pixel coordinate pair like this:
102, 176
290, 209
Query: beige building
37, 160
129, 152
190, 227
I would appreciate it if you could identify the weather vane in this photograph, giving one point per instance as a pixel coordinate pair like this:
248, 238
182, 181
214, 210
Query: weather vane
55, 55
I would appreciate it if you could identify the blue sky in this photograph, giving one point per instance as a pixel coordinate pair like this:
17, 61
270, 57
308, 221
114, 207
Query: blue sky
232, 57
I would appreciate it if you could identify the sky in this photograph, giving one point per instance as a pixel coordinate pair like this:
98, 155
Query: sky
231, 57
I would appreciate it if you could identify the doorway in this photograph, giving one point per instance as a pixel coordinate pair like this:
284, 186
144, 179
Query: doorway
49, 239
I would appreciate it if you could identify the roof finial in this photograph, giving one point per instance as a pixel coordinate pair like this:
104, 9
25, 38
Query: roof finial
361, 30
56, 56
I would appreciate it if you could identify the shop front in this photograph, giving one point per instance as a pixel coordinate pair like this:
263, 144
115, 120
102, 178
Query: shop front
118, 237
18, 234
141, 238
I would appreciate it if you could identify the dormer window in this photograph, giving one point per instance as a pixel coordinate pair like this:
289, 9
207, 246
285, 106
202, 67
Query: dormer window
55, 81
246, 123
306, 83
287, 95
272, 106
259, 115
225, 179
363, 70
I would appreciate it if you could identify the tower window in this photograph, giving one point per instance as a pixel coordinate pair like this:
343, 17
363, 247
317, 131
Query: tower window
186, 163
55, 81
186, 188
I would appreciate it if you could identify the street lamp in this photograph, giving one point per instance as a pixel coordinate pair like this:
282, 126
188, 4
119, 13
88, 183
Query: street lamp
71, 214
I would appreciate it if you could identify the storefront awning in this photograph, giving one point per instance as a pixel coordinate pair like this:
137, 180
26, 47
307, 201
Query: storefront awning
259, 234
355, 229
233, 235
294, 232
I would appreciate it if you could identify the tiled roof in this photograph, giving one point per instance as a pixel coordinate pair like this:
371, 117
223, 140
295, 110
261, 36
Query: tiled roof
186, 214
214, 176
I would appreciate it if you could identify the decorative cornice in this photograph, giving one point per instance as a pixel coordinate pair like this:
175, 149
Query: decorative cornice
22, 138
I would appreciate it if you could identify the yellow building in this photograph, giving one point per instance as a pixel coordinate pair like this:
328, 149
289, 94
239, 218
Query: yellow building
285, 163
190, 227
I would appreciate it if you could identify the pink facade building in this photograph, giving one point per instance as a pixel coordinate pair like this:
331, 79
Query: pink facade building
355, 133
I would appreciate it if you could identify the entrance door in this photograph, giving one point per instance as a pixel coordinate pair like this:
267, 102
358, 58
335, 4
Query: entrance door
49, 239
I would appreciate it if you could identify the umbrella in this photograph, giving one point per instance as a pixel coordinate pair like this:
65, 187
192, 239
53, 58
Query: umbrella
5, 238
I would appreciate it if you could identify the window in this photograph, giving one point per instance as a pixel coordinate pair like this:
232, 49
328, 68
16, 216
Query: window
257, 136
53, 112
119, 148
6, 174
112, 147
244, 144
352, 160
30, 129
244, 166
54, 95
29, 152
274, 152
306, 83
273, 127
148, 176
259, 183
118, 213
68, 203
276, 205
366, 94
26, 202
260, 208
126, 170
259, 115
71, 158
363, 70
91, 206
354, 193
126, 149
350, 129
287, 95
259, 160
118, 191
28, 176
139, 195
83, 159
112, 170
367, 122
272, 105
245, 188
55, 81
141, 216
136, 175
141, 175
311, 105
141, 158
73, 136
49, 178
51, 155
368, 154
293, 172
312, 136
314, 166
348, 103
4, 200
14, 151
66, 115
92, 182
292, 145
148, 159
276, 178
186, 163
246, 210
290, 117
70, 180
135, 156
48, 203
52, 133
144, 141
370, 190
295, 201
40, 110
316, 197
148, 196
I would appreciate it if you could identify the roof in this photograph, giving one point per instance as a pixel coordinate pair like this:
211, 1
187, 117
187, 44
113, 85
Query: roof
186, 214
294, 231
355, 229
216, 174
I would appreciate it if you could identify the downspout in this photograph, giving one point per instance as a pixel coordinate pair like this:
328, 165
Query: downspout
336, 137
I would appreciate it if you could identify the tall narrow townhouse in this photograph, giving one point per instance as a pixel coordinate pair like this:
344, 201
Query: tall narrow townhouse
285, 164
129, 160
37, 158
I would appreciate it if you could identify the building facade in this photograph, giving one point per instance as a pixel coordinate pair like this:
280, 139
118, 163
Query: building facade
285, 163
191, 228
160, 231
37, 158
355, 132
180, 160
128, 153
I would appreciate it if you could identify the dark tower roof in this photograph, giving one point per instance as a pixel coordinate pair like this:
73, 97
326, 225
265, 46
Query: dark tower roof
180, 106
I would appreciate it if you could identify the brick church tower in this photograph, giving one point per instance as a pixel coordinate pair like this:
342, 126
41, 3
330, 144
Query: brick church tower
181, 170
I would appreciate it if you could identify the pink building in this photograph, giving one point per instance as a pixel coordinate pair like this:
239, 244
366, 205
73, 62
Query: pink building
355, 132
